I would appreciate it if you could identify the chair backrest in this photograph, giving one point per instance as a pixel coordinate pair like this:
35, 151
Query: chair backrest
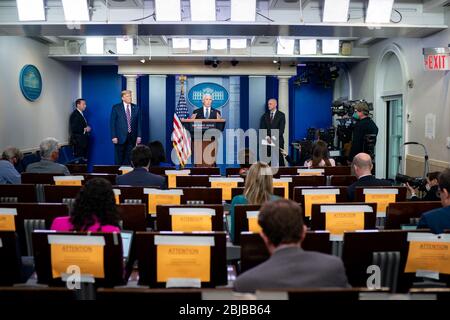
319, 219
39, 178
77, 168
129, 194
10, 265
134, 216
241, 222
111, 169
193, 181
286, 171
56, 194
164, 220
337, 170
110, 177
342, 180
404, 213
278, 191
232, 171
178, 253
160, 170
18, 193
254, 251
208, 171
31, 216
201, 196
400, 196
45, 257
299, 196
358, 255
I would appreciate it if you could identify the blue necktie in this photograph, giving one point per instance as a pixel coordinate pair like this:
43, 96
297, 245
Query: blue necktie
207, 113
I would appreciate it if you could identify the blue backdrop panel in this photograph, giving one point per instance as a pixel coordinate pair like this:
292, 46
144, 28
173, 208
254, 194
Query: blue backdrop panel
312, 108
271, 87
101, 86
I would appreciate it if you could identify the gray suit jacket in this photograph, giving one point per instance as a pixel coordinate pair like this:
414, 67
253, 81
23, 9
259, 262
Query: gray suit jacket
293, 267
47, 166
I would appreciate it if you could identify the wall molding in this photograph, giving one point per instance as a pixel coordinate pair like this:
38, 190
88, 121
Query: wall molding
432, 162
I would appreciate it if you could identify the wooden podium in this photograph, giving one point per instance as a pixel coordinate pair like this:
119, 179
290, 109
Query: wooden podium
200, 157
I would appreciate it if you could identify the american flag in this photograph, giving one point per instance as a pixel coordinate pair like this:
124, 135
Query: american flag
180, 137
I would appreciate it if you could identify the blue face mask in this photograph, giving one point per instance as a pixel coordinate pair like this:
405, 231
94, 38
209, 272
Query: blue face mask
356, 115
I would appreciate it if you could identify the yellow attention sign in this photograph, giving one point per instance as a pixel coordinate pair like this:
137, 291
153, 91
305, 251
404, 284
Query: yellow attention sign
310, 173
68, 182
160, 199
382, 200
282, 184
311, 199
226, 187
253, 225
7, 222
89, 258
339, 222
189, 223
183, 261
428, 256
172, 181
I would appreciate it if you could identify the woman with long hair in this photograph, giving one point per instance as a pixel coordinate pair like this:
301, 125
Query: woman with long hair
320, 156
258, 189
94, 210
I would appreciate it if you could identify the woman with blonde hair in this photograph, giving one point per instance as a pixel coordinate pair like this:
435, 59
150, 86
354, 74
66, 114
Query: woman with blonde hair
258, 189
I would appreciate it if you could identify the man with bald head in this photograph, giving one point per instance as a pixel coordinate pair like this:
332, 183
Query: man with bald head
206, 111
362, 167
274, 119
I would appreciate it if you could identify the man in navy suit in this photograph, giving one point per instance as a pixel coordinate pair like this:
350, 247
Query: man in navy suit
206, 111
438, 220
362, 166
125, 123
140, 177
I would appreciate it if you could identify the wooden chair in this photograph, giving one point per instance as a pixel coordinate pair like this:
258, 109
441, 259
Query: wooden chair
18, 193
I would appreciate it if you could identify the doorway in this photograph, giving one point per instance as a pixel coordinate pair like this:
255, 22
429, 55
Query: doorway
394, 134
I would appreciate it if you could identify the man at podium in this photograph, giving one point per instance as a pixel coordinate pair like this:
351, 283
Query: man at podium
206, 111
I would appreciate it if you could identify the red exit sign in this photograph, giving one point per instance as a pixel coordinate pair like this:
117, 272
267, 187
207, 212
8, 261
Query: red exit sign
436, 58
437, 62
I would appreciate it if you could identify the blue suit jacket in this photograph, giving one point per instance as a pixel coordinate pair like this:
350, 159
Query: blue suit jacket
118, 122
140, 177
437, 220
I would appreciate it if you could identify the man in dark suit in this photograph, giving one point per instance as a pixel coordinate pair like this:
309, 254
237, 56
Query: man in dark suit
289, 266
206, 111
125, 123
140, 177
438, 220
274, 119
79, 130
362, 166
363, 127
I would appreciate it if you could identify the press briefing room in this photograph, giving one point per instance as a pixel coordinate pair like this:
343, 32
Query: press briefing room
183, 151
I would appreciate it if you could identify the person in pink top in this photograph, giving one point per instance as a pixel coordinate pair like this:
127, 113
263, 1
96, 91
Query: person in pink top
94, 210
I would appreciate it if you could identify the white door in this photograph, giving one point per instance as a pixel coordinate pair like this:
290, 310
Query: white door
394, 134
